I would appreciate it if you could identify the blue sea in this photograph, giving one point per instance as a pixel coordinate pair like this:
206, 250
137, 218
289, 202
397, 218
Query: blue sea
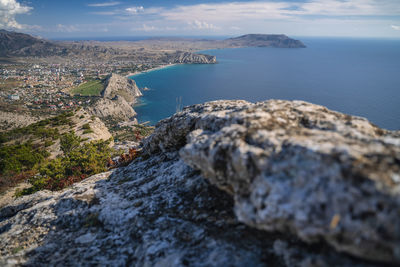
355, 76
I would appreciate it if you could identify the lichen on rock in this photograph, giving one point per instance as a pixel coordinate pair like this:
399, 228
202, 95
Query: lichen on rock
297, 167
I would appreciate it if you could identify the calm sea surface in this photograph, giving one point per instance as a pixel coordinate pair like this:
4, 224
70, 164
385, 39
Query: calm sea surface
355, 76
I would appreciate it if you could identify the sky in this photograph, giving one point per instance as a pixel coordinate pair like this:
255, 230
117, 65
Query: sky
91, 18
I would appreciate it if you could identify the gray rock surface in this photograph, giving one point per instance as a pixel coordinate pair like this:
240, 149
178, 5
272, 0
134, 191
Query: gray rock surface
189, 58
117, 85
297, 167
155, 212
118, 96
158, 211
116, 108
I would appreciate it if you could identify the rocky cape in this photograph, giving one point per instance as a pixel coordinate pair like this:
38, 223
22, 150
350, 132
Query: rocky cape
118, 96
189, 58
226, 183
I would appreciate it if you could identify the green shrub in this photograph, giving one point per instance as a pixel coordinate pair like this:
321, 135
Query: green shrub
87, 131
42, 129
69, 141
20, 157
78, 162
48, 143
86, 126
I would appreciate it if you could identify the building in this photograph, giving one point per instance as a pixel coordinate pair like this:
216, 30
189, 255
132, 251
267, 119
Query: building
13, 97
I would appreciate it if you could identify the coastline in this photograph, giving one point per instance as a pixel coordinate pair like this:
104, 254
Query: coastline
149, 70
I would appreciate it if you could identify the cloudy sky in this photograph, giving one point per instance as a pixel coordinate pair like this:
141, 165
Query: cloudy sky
90, 18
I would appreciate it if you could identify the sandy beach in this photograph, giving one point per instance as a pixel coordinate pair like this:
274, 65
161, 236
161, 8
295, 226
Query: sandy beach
152, 69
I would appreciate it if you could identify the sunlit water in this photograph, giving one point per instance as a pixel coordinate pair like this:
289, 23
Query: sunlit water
355, 76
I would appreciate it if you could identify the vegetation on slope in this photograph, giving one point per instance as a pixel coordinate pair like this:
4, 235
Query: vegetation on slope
43, 129
24, 153
79, 161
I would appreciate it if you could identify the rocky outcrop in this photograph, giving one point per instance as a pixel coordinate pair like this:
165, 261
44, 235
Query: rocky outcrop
119, 95
11, 120
263, 40
300, 185
189, 58
297, 167
117, 85
116, 108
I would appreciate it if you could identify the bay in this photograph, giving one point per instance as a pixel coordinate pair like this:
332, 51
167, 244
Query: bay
355, 76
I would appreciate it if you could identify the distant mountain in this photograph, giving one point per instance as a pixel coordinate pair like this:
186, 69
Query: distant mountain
20, 44
264, 40
13, 45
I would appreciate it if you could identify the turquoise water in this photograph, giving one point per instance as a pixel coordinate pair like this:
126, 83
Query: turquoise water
355, 76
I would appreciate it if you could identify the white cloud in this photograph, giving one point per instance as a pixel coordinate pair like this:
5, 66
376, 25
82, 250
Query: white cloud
135, 9
146, 28
346, 8
66, 28
264, 10
105, 4
226, 11
104, 13
9, 9
201, 25
78, 28
395, 27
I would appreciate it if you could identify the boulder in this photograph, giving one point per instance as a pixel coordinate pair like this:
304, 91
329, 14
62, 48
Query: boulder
298, 168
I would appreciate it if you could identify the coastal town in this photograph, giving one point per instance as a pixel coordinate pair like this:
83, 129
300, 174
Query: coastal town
44, 87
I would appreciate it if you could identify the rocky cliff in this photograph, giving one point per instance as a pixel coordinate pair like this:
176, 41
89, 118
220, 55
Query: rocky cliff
117, 85
226, 183
189, 58
116, 108
117, 98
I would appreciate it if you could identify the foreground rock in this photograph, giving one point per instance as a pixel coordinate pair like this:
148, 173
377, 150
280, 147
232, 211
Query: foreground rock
292, 167
297, 167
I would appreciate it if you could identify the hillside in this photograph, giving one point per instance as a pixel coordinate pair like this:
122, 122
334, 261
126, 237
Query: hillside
20, 44
153, 50
21, 149
226, 183
264, 40
117, 98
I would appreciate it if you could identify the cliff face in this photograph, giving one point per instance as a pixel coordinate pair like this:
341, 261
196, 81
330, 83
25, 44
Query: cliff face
116, 108
189, 58
299, 184
117, 85
117, 99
